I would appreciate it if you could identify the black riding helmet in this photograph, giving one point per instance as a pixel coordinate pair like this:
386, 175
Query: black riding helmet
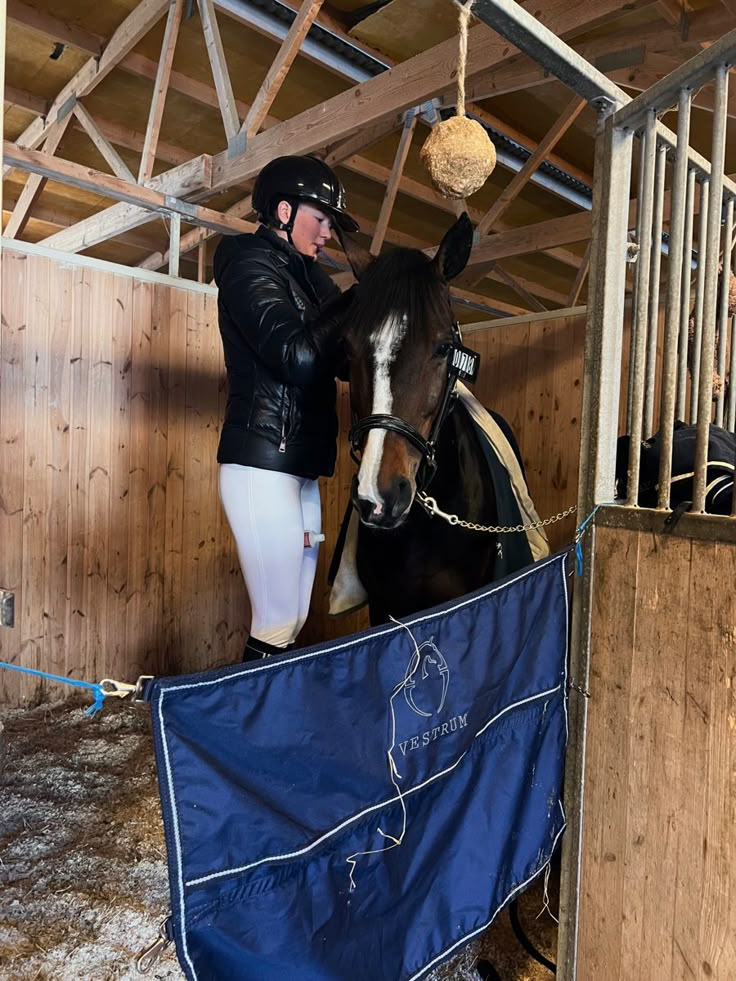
296, 179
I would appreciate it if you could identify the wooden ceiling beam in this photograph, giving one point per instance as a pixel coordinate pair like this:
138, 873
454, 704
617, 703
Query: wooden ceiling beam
88, 179
532, 238
109, 153
135, 26
280, 67
392, 186
60, 220
143, 67
160, 88
574, 294
54, 28
35, 183
26, 100
218, 63
198, 236
412, 82
529, 144
519, 181
526, 295
180, 182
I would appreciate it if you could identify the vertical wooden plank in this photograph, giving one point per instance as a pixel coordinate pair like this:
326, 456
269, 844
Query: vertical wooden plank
99, 409
659, 834
703, 938
12, 456
603, 873
175, 473
193, 603
139, 613
121, 322
78, 471
204, 315
657, 710
35, 553
57, 466
539, 408
157, 453
564, 434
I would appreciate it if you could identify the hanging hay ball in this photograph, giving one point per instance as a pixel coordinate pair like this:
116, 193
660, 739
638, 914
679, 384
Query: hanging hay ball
459, 156
732, 296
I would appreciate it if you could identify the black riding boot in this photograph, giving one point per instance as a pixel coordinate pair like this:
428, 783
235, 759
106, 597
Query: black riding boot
257, 649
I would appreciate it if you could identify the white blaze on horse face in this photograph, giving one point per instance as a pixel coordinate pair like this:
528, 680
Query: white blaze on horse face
385, 342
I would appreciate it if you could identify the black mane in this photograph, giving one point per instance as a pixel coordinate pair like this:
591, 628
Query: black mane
403, 282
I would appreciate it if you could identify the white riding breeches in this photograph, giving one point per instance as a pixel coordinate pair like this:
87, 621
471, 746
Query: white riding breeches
268, 513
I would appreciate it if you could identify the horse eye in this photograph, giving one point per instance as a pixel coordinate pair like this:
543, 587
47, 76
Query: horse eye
442, 350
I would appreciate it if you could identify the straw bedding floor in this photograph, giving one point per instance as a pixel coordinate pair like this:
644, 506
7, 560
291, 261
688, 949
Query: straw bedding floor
82, 864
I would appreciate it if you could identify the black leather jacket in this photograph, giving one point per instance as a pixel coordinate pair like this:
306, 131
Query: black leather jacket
277, 317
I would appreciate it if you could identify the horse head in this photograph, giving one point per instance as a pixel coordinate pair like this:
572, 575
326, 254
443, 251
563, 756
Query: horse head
399, 338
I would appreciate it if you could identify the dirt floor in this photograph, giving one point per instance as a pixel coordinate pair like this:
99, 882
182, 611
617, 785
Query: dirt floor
83, 884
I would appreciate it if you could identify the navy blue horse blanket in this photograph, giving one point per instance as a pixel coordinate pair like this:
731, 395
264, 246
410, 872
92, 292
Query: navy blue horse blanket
361, 809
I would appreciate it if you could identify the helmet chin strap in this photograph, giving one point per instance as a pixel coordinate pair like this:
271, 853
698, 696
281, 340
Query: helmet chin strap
288, 226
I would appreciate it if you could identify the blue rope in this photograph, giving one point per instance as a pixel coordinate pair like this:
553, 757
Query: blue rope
582, 528
98, 690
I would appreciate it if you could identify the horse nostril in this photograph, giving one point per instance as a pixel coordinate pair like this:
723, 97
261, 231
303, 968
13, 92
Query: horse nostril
398, 498
366, 508
403, 496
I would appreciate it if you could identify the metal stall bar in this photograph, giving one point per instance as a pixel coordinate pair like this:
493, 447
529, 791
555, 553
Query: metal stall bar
534, 39
599, 428
723, 312
687, 260
705, 385
679, 260
634, 291
699, 298
653, 320
637, 364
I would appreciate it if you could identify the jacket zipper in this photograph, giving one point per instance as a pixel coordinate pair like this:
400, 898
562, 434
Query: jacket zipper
282, 444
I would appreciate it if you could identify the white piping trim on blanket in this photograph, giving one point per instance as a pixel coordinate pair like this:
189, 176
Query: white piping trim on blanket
268, 664
374, 807
469, 936
720, 490
177, 840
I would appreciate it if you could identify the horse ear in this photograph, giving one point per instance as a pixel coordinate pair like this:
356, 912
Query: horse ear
358, 257
454, 251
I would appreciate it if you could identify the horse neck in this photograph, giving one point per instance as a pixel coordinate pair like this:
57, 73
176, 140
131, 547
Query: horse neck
462, 480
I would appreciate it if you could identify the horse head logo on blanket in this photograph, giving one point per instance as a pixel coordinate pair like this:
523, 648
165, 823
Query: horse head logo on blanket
426, 689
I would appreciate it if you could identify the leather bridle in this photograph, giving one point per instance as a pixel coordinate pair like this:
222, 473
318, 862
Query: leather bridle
461, 363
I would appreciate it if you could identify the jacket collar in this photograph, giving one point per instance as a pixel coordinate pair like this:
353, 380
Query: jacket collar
268, 236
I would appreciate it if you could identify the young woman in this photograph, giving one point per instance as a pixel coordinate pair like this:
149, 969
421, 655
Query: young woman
278, 314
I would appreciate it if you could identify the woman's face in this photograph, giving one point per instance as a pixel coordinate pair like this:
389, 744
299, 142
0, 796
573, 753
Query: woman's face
312, 227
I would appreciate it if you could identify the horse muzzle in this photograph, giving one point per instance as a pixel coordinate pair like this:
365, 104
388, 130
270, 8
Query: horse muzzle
393, 507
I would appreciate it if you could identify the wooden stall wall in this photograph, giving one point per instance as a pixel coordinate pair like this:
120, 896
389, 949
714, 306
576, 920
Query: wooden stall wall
113, 539
112, 394
531, 372
659, 838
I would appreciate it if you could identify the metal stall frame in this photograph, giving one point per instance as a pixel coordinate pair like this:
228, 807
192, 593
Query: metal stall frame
619, 118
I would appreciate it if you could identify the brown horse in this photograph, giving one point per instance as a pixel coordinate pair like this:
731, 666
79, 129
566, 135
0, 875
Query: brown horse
410, 433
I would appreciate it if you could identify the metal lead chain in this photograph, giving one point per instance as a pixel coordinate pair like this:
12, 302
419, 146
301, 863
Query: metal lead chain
430, 506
